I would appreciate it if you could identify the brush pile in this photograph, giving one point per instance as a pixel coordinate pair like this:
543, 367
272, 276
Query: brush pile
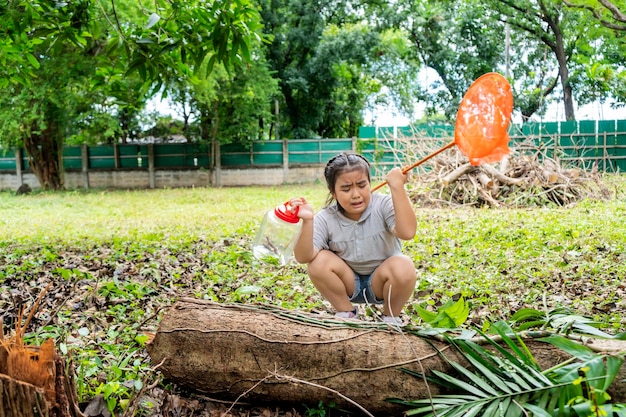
528, 177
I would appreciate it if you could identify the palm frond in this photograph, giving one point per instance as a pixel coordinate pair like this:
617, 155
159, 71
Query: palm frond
504, 379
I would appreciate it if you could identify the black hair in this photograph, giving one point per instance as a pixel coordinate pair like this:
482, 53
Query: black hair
339, 164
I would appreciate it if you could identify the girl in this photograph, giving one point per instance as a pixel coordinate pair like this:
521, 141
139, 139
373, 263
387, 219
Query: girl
352, 248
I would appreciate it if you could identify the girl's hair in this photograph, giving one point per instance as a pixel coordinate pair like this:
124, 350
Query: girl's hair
344, 162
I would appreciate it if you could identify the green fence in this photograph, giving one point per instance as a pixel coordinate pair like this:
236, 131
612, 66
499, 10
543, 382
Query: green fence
583, 144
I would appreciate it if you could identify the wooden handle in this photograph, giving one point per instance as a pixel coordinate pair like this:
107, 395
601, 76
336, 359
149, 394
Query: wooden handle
421, 161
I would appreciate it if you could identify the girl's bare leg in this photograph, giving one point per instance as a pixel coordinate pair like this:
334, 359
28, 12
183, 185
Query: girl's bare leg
333, 278
394, 282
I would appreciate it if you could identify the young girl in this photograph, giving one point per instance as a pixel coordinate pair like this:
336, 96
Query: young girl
352, 248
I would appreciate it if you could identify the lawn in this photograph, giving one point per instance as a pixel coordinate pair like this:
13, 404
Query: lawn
117, 259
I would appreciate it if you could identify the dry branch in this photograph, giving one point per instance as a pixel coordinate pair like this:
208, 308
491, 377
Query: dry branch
525, 178
500, 177
452, 176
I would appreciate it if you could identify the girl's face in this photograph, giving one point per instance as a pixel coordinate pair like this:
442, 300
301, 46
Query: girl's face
352, 192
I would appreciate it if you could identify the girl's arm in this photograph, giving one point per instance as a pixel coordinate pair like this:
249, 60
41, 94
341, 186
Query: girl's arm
406, 222
304, 251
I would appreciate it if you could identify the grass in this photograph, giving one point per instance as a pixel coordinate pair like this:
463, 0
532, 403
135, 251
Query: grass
116, 258
73, 216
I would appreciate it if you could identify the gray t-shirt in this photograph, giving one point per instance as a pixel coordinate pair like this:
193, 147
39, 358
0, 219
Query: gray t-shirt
362, 244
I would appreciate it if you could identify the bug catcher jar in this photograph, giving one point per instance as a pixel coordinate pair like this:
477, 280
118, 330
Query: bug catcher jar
277, 234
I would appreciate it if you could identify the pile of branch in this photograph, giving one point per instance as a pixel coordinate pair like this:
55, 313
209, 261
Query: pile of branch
526, 178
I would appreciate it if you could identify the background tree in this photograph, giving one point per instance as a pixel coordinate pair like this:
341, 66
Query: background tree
602, 73
61, 59
610, 14
325, 55
536, 44
458, 40
239, 109
296, 27
560, 29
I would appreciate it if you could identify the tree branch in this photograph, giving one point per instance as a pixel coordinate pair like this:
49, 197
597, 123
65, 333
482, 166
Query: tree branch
617, 14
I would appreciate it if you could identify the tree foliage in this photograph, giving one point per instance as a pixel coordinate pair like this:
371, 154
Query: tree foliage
63, 61
458, 40
325, 57
559, 28
610, 14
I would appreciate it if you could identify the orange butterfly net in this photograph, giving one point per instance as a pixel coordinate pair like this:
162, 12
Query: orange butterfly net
482, 122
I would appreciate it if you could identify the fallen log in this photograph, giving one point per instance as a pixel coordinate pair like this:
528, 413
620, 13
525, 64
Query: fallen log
271, 355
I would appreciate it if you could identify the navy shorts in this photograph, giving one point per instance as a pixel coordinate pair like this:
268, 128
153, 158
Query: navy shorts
363, 292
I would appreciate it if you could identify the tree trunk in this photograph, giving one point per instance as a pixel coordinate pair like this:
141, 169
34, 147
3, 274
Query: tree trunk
278, 356
34, 382
44, 155
562, 59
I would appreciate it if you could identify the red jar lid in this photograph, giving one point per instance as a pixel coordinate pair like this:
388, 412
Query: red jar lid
287, 213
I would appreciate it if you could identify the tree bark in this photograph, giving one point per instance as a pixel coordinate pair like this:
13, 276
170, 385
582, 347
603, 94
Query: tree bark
34, 384
270, 355
563, 60
44, 150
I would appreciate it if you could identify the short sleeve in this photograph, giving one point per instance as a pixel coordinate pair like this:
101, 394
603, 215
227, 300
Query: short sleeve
320, 231
387, 211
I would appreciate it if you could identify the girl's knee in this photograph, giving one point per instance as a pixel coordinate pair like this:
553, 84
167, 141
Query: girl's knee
324, 263
403, 271
319, 265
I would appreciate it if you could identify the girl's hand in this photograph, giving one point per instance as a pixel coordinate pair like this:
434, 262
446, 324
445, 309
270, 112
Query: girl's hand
305, 211
395, 178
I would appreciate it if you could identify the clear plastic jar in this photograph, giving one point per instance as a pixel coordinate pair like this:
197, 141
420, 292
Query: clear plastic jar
277, 235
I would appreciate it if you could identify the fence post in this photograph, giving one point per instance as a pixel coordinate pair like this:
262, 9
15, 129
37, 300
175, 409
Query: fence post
84, 154
18, 166
218, 163
285, 161
116, 156
151, 164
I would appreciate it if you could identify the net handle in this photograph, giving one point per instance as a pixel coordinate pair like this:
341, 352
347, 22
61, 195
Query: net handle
421, 161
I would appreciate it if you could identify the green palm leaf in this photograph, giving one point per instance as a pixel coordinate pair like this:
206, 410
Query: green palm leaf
494, 386
503, 379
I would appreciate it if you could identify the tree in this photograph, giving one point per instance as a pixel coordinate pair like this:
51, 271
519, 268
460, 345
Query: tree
608, 13
602, 73
227, 106
296, 27
324, 57
62, 59
542, 46
239, 107
458, 40
557, 27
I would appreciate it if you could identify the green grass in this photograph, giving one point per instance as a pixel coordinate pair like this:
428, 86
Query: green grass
116, 258
73, 216
498, 259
